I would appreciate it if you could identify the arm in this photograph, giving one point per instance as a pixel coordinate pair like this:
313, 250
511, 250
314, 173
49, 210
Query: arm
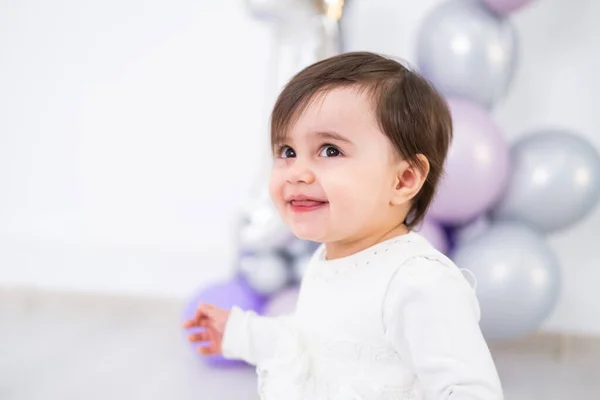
252, 338
432, 318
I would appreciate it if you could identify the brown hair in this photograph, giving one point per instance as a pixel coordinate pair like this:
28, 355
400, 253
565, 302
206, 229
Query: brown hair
411, 113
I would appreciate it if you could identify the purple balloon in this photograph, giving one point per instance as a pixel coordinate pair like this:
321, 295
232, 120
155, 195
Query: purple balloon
282, 303
224, 295
476, 169
435, 234
504, 7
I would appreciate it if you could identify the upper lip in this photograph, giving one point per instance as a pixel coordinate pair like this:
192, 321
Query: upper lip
301, 197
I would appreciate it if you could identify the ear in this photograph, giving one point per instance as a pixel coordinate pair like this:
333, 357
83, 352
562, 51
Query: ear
410, 179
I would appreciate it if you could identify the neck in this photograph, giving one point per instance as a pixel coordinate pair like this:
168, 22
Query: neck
346, 248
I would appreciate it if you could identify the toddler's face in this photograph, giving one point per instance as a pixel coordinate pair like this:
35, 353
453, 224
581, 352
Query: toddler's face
334, 175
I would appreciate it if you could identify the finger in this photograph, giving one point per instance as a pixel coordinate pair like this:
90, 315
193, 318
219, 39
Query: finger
216, 338
207, 351
198, 321
213, 333
199, 337
205, 306
190, 323
200, 313
205, 310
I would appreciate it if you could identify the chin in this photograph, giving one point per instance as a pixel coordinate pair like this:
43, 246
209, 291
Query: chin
308, 233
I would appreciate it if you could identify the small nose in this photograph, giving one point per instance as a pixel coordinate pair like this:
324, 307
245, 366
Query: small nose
300, 172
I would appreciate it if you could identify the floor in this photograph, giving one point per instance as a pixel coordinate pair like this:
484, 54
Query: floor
57, 346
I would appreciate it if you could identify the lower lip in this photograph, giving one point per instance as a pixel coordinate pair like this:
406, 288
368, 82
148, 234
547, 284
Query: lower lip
306, 208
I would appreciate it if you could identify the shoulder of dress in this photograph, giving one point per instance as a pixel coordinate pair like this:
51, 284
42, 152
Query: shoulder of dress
430, 275
420, 263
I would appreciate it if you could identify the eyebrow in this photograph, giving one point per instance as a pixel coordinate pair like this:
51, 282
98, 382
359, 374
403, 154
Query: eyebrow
332, 136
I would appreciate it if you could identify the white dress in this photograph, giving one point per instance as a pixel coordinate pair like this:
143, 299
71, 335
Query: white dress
395, 321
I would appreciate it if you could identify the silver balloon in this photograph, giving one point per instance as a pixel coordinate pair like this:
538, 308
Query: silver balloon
555, 181
265, 273
304, 32
301, 42
260, 227
299, 267
300, 248
517, 278
467, 51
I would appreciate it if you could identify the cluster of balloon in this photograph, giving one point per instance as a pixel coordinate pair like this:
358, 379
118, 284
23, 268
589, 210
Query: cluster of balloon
499, 199
271, 260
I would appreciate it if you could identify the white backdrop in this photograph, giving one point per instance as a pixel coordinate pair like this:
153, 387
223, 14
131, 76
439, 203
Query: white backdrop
130, 132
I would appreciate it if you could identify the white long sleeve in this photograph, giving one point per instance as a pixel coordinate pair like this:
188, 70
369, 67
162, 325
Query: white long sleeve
431, 316
252, 338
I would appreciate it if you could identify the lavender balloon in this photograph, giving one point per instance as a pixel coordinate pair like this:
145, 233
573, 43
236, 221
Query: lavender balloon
476, 169
504, 7
435, 234
224, 295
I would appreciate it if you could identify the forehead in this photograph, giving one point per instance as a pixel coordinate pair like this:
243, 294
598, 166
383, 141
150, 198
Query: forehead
347, 109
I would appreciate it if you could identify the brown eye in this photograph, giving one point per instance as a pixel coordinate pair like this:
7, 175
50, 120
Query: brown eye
287, 152
330, 151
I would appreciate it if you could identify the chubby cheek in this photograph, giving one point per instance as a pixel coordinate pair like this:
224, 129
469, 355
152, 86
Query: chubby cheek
355, 198
344, 197
276, 184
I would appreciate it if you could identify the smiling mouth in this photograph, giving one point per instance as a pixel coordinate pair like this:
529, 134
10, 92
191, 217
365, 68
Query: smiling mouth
307, 205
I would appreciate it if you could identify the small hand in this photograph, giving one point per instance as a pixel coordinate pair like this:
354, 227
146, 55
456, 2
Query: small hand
213, 320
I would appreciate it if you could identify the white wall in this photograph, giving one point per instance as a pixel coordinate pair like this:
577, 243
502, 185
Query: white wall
130, 132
